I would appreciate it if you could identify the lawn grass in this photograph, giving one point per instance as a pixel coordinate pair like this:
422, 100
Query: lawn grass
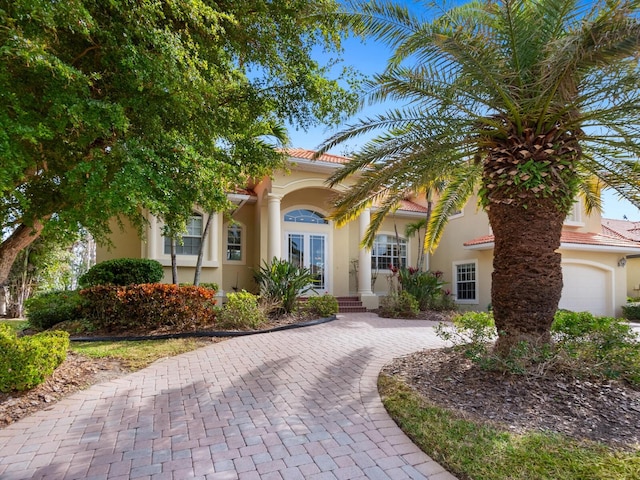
479, 451
138, 354
16, 325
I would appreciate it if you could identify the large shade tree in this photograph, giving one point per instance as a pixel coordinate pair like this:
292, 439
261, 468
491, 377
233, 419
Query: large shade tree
116, 108
528, 103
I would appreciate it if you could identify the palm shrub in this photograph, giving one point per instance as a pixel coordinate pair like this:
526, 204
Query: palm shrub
426, 287
282, 283
526, 104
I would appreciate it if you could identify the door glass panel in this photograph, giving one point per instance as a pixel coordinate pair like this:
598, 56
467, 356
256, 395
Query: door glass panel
317, 267
296, 249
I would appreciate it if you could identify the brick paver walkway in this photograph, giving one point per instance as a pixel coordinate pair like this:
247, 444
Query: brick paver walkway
298, 404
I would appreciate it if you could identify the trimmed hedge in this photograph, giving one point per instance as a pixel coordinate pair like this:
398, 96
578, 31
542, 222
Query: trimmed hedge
48, 309
27, 361
148, 307
122, 271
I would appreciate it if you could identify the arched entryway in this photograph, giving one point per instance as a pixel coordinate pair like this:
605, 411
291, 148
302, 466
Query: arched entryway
306, 243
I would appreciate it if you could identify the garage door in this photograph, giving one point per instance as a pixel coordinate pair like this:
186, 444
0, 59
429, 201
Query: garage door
586, 288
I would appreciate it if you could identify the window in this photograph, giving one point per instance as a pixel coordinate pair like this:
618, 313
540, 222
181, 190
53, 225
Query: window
388, 251
191, 240
466, 282
234, 243
305, 216
574, 217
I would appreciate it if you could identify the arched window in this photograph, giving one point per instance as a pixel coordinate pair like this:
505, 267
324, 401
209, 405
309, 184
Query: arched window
191, 240
303, 215
388, 251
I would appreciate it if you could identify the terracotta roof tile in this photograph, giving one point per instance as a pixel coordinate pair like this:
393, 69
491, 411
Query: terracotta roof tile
309, 155
575, 238
409, 206
622, 228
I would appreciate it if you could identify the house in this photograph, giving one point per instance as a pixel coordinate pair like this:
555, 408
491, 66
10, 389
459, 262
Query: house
286, 216
627, 230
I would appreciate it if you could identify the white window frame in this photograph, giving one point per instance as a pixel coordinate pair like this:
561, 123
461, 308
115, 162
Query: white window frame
189, 234
242, 245
153, 248
574, 217
466, 301
393, 242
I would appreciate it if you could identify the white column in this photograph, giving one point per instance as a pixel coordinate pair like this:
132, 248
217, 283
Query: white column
274, 247
364, 258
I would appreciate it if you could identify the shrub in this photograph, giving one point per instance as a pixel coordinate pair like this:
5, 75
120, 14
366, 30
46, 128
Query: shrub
209, 285
281, 282
27, 361
399, 305
123, 271
148, 307
48, 309
241, 312
323, 306
584, 345
631, 311
597, 346
425, 287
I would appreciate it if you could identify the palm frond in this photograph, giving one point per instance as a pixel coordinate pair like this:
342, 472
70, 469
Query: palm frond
454, 196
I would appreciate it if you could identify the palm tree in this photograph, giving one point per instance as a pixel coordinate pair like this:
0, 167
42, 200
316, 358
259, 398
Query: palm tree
527, 103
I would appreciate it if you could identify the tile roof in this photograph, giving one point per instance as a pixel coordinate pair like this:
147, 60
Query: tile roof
405, 205
309, 155
622, 229
409, 206
573, 238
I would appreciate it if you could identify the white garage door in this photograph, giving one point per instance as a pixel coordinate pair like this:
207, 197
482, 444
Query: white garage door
586, 288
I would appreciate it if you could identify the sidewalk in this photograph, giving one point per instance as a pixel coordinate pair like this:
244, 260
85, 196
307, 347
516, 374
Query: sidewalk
298, 404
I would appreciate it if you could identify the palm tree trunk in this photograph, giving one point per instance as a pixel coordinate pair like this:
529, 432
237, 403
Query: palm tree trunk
527, 272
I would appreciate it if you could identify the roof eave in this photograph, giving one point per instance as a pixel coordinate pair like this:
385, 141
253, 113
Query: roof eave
570, 246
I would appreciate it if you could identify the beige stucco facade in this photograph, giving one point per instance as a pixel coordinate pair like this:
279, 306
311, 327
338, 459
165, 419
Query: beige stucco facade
594, 275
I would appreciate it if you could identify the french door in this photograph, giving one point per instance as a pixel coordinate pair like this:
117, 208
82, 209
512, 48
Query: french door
310, 250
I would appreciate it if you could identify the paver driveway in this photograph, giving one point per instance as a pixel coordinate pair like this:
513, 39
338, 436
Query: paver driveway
297, 404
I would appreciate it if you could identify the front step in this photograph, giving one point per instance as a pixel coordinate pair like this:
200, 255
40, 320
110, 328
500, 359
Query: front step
350, 305
347, 304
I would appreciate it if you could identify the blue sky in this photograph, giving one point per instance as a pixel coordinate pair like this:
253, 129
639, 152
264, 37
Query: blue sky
371, 57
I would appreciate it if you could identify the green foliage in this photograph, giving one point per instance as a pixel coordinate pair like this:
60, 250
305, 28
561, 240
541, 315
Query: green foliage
209, 285
584, 346
282, 282
426, 287
604, 347
631, 311
48, 309
123, 271
323, 306
241, 312
27, 361
115, 109
399, 305
522, 104
148, 307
